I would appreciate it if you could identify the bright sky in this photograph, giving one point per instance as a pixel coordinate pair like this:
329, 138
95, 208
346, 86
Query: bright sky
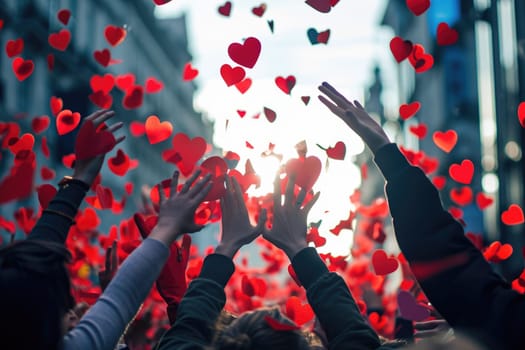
356, 44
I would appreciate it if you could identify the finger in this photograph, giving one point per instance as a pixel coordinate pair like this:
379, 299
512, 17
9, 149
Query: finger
199, 197
277, 192
332, 107
103, 118
239, 198
115, 127
107, 263
174, 183
190, 181
119, 140
259, 228
162, 195
311, 203
300, 198
337, 96
114, 257
288, 195
96, 114
200, 185
358, 105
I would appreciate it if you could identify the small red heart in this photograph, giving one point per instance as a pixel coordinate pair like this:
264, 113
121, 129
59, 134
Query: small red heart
513, 215
47, 173
137, 129
439, 182
497, 252
446, 141
189, 73
50, 61
115, 35
419, 130
101, 99
338, 151
103, 57
382, 264
225, 9
247, 53
14, 47
232, 76
22, 68
483, 201
134, 97
461, 196
87, 220
63, 16
253, 286
400, 48
40, 124
125, 81
269, 114
259, 10
418, 7
46, 193
104, 197
297, 311
56, 104
102, 83
323, 37
446, 35
306, 171
153, 85
68, 160
462, 173
60, 40
120, 163
157, 131
323, 6
67, 121
305, 100
420, 60
22, 143
186, 152
286, 84
91, 143
521, 114
243, 85
408, 110
44, 147
241, 113
161, 2
217, 167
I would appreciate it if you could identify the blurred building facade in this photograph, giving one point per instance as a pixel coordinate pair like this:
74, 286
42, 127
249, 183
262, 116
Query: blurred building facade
152, 48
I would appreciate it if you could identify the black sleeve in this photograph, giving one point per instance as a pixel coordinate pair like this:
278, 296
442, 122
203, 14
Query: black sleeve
53, 226
200, 307
333, 304
453, 273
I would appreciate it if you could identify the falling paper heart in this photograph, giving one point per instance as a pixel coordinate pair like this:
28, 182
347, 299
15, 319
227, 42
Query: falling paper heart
463, 172
157, 131
103, 57
67, 121
407, 111
120, 163
56, 104
63, 16
189, 72
22, 68
115, 35
446, 141
410, 309
400, 48
247, 53
521, 114
285, 84
297, 311
337, 152
102, 83
60, 40
225, 9
419, 130
269, 114
305, 170
305, 100
446, 35
40, 124
418, 7
91, 143
259, 10
244, 85
232, 76
483, 201
153, 85
125, 81
14, 47
46, 193
461, 196
323, 6
513, 215
186, 152
133, 98
382, 264
420, 60
217, 167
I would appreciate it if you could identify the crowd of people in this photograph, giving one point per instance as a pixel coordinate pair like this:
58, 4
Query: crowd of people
478, 309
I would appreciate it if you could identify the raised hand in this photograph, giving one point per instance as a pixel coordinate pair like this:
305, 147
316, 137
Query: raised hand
289, 226
111, 265
86, 170
176, 213
237, 229
355, 116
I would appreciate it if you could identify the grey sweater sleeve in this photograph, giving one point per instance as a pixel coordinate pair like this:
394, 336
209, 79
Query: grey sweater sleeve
106, 320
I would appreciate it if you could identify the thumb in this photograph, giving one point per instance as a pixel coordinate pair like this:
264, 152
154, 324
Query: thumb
186, 244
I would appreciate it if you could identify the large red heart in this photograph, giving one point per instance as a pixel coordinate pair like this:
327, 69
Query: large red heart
382, 264
18, 184
513, 215
420, 60
446, 35
217, 167
40, 124
103, 57
243, 85
14, 47
189, 73
521, 114
245, 54
102, 83
60, 40
461, 196
153, 85
63, 16
297, 311
232, 76
91, 143
323, 6
22, 68
306, 171
285, 84
418, 7
400, 48
446, 141
56, 104
67, 121
115, 35
134, 97
269, 114
462, 173
408, 110
186, 152
157, 131
225, 9
338, 151
419, 130
259, 10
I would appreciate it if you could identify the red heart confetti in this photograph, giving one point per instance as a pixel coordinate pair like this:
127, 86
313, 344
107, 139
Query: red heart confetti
22, 68
103, 57
56, 104
133, 98
23, 143
101, 99
463, 172
305, 170
419, 130
338, 151
285, 84
60, 40
483, 201
323, 6
400, 48
157, 131
269, 114
91, 143
104, 197
102, 83
305, 100
189, 73
407, 111
521, 114
47, 173
14, 47
137, 129
420, 60
513, 215
446, 35
418, 7
243, 85
446, 141
120, 163
67, 121
217, 167
186, 152
247, 53
382, 264
63, 16
259, 10
439, 182
46, 193
115, 35
125, 81
297, 311
323, 37
44, 147
153, 85
40, 124
18, 184
50, 61
241, 113
232, 76
161, 2
225, 9
461, 196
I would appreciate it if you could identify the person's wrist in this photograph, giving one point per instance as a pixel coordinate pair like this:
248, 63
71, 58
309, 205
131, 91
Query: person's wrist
227, 249
87, 179
163, 234
295, 248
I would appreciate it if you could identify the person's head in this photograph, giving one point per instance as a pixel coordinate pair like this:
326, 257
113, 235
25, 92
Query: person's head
34, 294
252, 331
